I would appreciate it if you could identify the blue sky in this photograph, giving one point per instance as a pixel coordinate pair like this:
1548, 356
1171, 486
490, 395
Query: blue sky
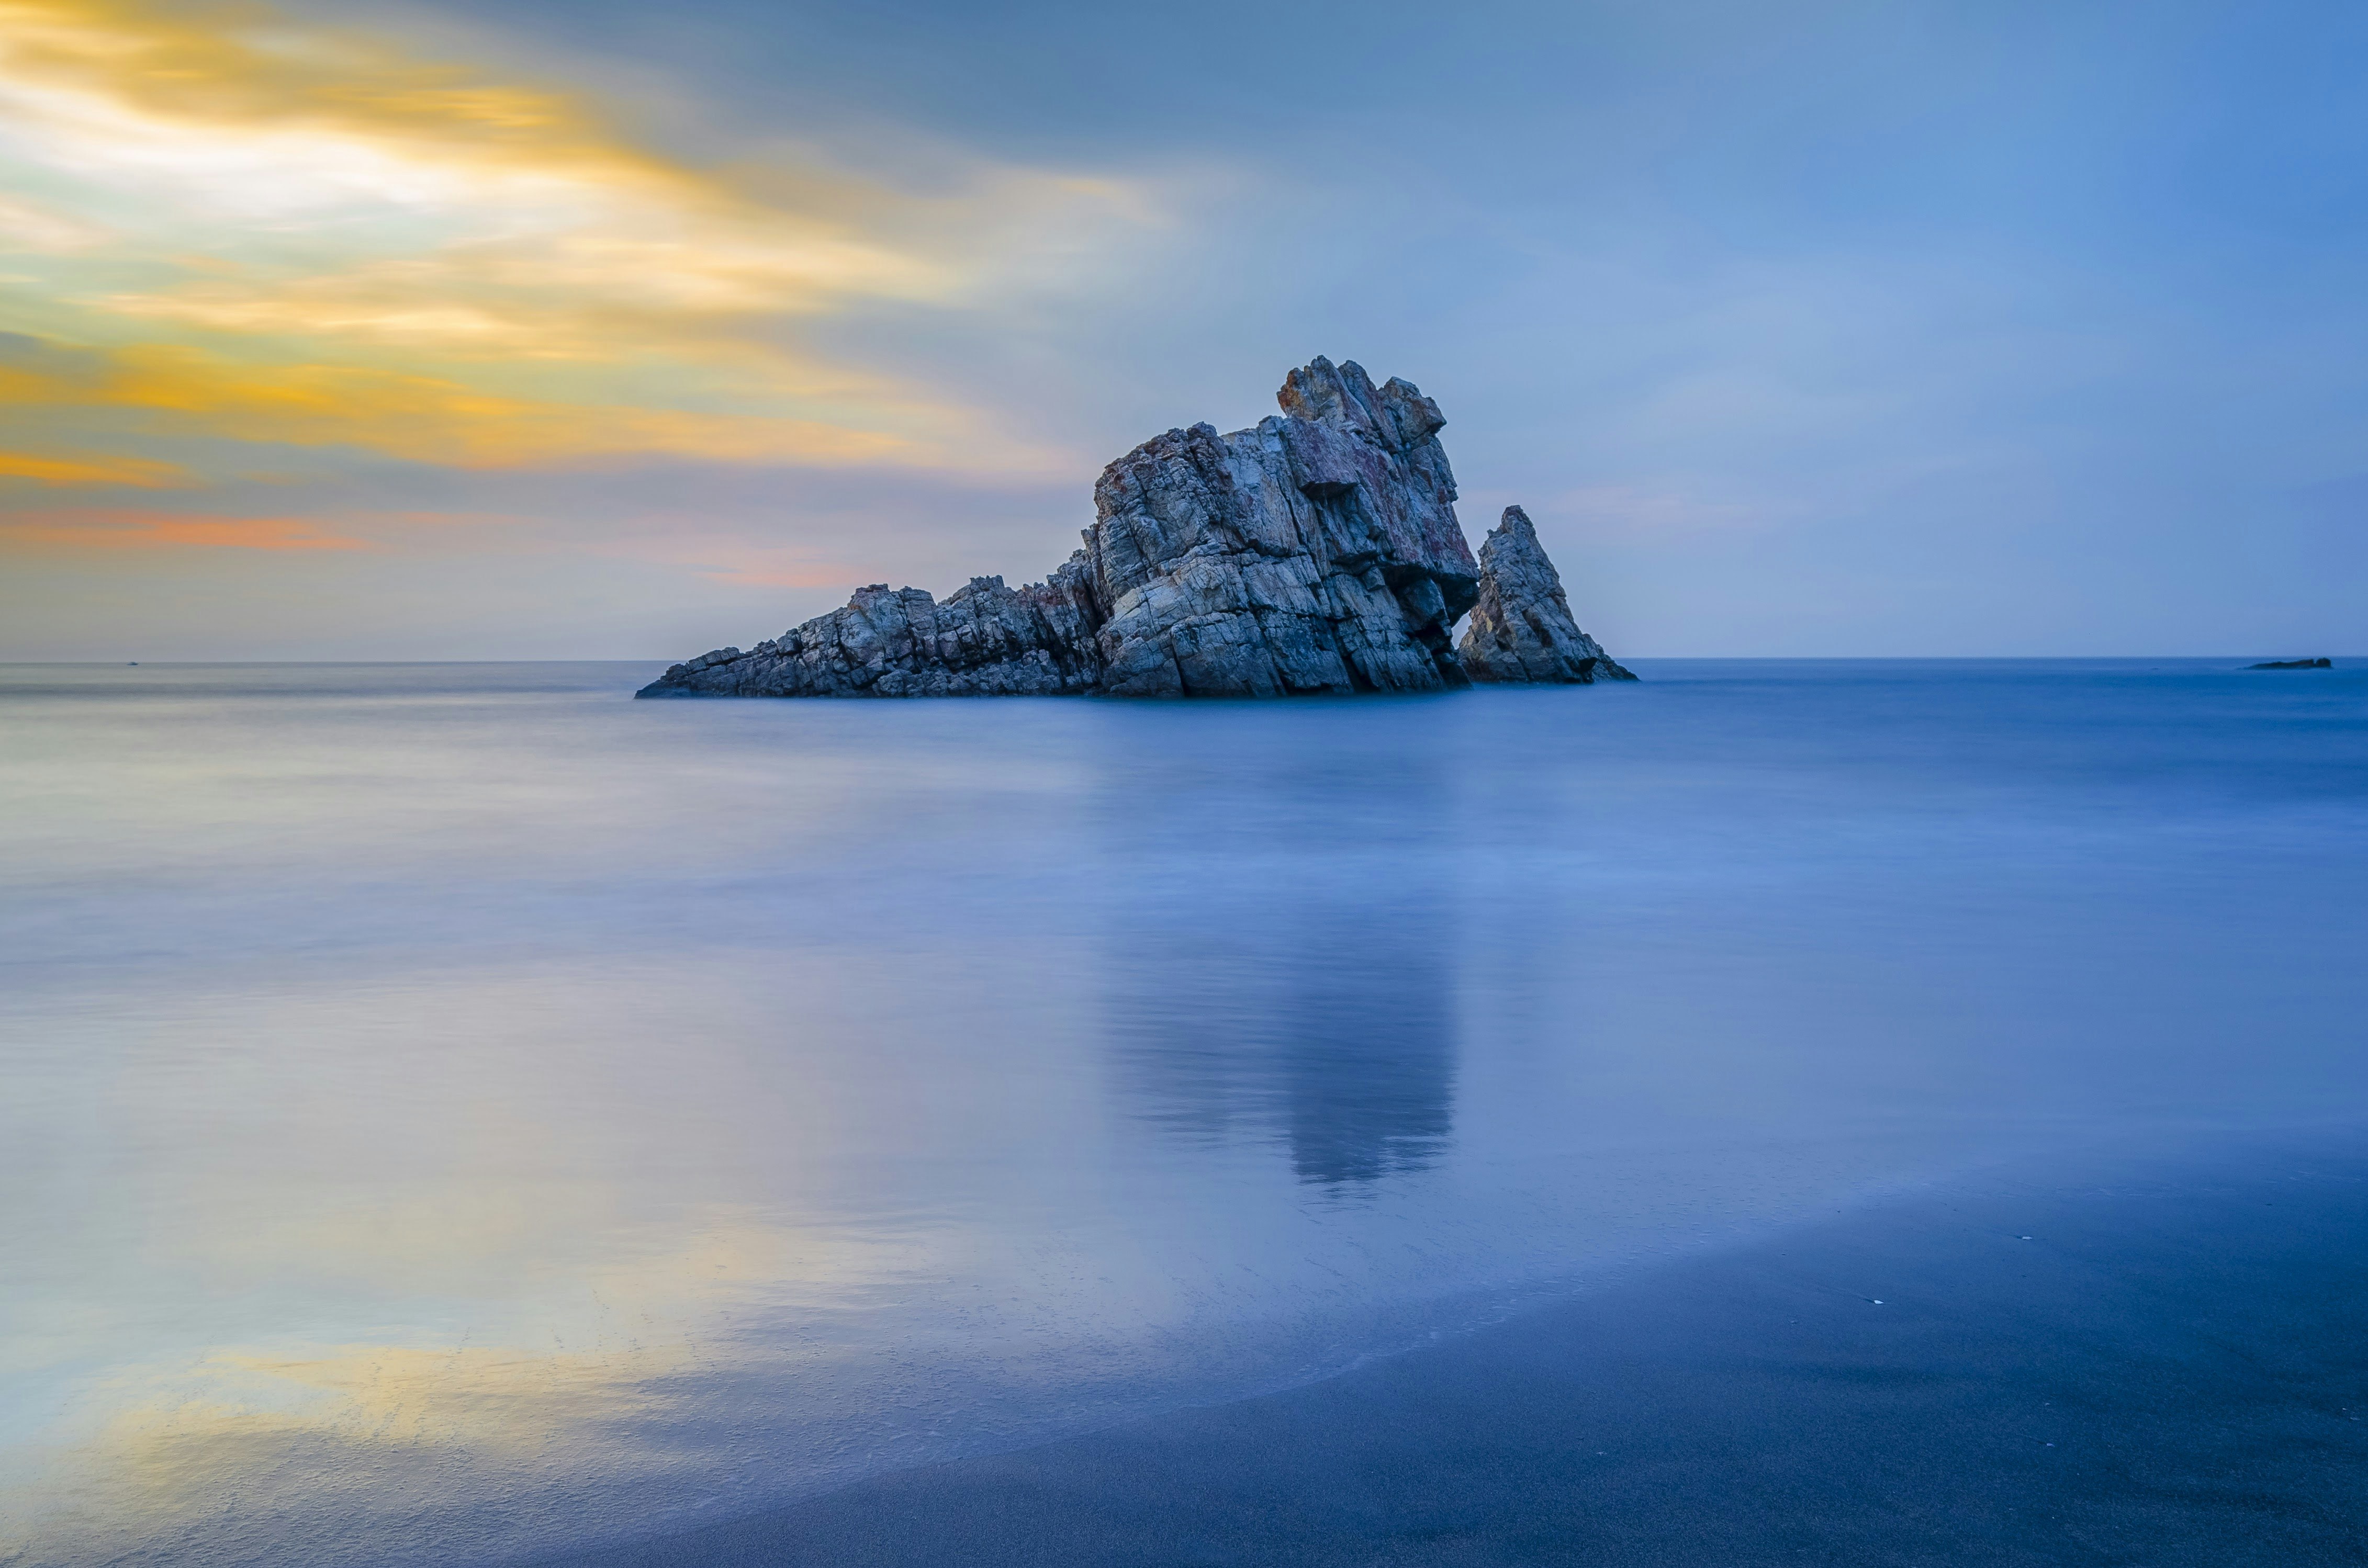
1799, 329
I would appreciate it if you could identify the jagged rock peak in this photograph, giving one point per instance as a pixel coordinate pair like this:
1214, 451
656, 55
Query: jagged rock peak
1316, 551
1398, 415
1521, 629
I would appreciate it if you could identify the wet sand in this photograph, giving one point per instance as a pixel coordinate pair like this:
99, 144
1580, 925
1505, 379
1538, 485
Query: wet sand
2133, 1364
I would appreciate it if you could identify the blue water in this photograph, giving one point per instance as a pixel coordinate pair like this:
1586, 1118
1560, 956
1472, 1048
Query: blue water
456, 1113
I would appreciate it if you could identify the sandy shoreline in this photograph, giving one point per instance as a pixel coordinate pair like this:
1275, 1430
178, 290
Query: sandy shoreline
2171, 1369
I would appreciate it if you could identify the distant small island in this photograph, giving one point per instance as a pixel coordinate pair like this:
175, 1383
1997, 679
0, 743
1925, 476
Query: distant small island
1317, 553
2294, 664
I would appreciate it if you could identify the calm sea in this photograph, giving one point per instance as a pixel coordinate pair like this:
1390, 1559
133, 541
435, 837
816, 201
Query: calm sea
453, 1112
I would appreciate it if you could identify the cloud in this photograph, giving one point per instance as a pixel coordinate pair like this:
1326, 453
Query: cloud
422, 418
27, 225
109, 530
60, 468
244, 227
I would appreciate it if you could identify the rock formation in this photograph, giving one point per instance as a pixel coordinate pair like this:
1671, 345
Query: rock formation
1317, 552
985, 640
1522, 629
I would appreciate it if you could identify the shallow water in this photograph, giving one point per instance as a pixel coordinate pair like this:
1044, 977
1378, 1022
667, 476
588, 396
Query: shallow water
2127, 1361
455, 1112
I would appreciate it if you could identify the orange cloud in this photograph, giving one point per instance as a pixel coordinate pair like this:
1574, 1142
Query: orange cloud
88, 470
94, 531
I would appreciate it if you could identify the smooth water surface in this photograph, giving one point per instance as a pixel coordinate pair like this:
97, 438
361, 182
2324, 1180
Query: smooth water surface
455, 1113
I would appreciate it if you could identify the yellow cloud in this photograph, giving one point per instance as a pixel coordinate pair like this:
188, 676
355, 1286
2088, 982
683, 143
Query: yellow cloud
211, 114
220, 66
312, 237
569, 295
421, 418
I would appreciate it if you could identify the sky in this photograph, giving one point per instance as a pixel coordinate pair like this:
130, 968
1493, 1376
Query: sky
405, 329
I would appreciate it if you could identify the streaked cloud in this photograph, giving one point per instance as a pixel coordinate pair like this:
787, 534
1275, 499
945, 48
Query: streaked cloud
422, 418
62, 468
230, 232
108, 530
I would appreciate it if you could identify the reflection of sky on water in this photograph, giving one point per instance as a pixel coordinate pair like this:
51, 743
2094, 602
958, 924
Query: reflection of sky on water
454, 1111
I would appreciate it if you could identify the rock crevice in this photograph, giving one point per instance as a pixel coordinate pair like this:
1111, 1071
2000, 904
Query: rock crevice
1317, 552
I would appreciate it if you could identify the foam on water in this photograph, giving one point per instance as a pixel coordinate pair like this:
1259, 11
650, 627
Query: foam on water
455, 1111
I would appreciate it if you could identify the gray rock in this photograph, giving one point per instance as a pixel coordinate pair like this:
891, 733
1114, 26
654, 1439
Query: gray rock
1316, 551
1521, 629
985, 641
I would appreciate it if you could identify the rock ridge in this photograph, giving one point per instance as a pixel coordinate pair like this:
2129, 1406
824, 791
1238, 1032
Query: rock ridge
1317, 552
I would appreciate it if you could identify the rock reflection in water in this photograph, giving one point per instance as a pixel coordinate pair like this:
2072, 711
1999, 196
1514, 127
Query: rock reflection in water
1329, 1026
1369, 1065
1294, 980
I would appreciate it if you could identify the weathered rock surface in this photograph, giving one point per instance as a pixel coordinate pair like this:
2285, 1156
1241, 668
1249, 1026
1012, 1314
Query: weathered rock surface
1316, 551
1521, 629
985, 641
